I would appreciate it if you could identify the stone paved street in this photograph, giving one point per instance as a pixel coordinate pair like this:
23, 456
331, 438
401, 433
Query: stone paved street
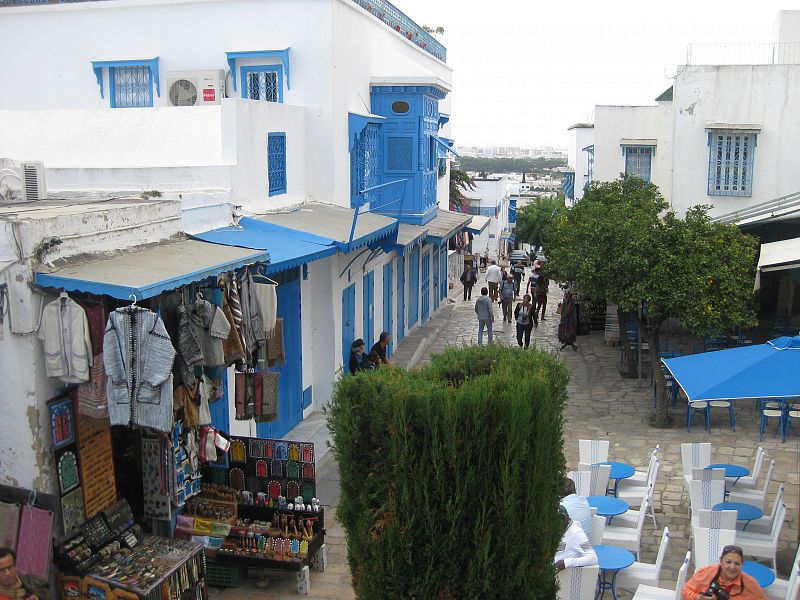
601, 405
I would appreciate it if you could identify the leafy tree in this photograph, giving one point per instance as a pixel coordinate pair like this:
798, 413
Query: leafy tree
535, 166
459, 183
533, 219
619, 244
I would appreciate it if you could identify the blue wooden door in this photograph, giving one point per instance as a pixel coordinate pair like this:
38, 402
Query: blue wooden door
290, 384
387, 304
368, 297
413, 287
348, 323
436, 275
443, 277
401, 298
426, 286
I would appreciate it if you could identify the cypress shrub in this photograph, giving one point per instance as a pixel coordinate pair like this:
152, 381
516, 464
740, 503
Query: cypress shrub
451, 475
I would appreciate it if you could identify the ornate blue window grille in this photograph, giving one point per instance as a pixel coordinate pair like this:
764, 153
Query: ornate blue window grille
730, 162
276, 163
131, 87
262, 83
364, 165
638, 161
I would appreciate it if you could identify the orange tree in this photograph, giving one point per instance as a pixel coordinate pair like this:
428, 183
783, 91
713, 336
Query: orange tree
620, 243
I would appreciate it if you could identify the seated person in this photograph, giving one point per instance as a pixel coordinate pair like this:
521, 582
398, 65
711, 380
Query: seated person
15, 587
727, 575
370, 361
380, 346
356, 356
577, 507
575, 550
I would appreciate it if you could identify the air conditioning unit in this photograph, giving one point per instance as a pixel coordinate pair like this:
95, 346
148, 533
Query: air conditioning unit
195, 88
22, 181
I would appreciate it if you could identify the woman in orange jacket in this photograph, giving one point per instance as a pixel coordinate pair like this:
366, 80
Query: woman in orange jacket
727, 576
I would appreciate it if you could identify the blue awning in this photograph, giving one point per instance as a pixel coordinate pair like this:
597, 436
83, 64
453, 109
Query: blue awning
148, 272
445, 146
356, 122
288, 248
512, 210
509, 236
478, 224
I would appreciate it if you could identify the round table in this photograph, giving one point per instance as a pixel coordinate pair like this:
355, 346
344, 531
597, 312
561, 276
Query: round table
611, 558
761, 573
744, 512
732, 471
619, 470
607, 506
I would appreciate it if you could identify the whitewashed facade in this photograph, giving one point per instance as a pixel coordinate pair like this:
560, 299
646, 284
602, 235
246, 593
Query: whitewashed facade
491, 198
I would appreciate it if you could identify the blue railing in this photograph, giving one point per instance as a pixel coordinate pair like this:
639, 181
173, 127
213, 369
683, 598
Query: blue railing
401, 23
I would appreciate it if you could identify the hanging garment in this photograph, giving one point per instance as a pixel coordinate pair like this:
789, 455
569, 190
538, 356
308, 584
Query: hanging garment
185, 398
91, 396
267, 298
234, 298
138, 357
96, 316
208, 450
210, 327
232, 346
275, 349
67, 343
207, 391
256, 396
9, 525
35, 542
190, 353
269, 397
259, 311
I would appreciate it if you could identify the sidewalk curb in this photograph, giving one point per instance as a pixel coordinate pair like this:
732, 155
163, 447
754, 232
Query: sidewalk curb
424, 336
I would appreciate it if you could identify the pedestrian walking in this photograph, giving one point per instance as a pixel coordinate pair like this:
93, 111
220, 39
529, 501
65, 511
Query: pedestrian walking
507, 297
530, 287
493, 279
485, 312
517, 271
468, 279
568, 326
542, 285
525, 314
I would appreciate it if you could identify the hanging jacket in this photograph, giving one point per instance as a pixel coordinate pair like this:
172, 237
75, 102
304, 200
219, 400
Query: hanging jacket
210, 328
138, 357
67, 341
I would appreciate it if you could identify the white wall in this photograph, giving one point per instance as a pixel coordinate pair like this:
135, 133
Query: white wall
491, 193
767, 95
786, 28
579, 160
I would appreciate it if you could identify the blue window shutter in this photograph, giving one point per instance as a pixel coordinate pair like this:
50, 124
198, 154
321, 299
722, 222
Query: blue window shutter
399, 153
730, 162
131, 87
276, 163
638, 161
364, 165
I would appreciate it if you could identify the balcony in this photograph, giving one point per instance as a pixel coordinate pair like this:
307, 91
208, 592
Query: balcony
402, 24
743, 54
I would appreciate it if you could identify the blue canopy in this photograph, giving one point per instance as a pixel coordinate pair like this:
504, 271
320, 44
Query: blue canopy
288, 248
761, 371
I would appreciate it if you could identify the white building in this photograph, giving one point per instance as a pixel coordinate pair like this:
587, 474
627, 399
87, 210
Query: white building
491, 198
723, 134
288, 114
580, 160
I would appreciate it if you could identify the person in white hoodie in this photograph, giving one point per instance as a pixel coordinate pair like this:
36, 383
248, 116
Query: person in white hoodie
575, 549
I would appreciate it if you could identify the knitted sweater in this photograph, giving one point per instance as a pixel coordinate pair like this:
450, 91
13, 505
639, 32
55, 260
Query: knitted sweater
138, 357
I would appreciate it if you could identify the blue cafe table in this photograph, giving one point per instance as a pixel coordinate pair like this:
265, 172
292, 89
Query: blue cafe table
744, 512
607, 506
732, 471
761, 573
619, 471
611, 560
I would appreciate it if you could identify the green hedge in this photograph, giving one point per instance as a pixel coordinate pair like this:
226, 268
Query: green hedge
451, 475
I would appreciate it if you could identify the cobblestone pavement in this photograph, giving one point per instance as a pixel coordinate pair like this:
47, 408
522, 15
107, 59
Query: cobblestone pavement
601, 405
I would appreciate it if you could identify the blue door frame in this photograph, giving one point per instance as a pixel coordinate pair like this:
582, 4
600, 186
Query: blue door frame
443, 266
368, 297
348, 323
426, 286
436, 275
290, 383
401, 298
413, 287
387, 304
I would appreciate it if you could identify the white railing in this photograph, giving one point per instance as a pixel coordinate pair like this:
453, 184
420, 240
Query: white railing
743, 54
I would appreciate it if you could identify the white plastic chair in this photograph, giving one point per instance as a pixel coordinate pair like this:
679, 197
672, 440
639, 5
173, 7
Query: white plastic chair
578, 583
786, 589
751, 481
593, 451
708, 544
633, 494
648, 592
627, 537
582, 481
705, 474
641, 478
716, 519
644, 573
754, 496
598, 477
763, 545
705, 494
598, 527
764, 524
693, 455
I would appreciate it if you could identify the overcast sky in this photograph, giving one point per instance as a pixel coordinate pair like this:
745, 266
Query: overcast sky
525, 70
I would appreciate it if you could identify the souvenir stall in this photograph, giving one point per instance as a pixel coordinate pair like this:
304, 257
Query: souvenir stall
145, 406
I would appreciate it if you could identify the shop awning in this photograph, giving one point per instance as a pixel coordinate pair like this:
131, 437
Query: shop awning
148, 272
288, 248
777, 256
336, 223
407, 237
446, 224
509, 236
478, 224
